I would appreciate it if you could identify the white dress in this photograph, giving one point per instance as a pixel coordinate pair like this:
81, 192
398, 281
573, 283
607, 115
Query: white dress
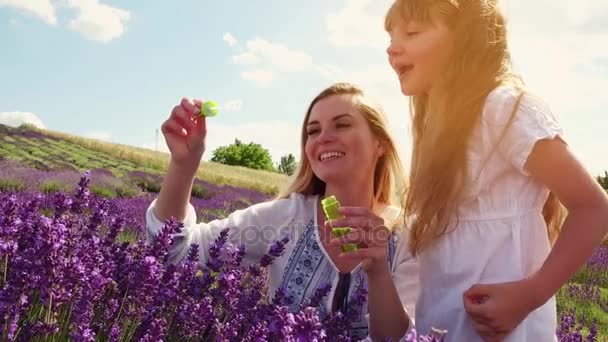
501, 234
305, 265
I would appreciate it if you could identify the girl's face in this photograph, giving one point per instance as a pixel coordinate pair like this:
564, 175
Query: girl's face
340, 144
419, 54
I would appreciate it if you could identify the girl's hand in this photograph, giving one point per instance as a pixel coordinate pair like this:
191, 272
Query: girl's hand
185, 133
497, 309
369, 232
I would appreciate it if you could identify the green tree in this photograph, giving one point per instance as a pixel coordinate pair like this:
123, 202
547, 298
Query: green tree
287, 164
251, 155
603, 180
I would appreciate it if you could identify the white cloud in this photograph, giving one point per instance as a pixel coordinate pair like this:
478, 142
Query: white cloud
245, 58
232, 105
15, 119
265, 60
359, 23
279, 55
41, 8
262, 77
585, 14
99, 135
97, 21
230, 39
330, 72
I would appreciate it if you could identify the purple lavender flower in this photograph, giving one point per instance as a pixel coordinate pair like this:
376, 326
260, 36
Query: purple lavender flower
215, 251
276, 250
162, 243
308, 326
81, 198
156, 331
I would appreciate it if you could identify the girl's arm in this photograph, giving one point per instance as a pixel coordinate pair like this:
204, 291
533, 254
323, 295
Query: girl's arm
496, 309
586, 225
532, 142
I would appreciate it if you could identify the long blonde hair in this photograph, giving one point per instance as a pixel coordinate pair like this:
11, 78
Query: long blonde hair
388, 174
441, 128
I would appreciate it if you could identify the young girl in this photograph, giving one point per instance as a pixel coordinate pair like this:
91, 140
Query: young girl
346, 151
489, 169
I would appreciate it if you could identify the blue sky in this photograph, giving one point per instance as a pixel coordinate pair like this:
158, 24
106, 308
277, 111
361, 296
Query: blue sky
113, 70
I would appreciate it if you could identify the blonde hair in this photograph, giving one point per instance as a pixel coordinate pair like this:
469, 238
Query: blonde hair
441, 128
388, 172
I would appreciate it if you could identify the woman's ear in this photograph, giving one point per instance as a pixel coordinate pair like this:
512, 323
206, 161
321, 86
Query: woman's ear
380, 148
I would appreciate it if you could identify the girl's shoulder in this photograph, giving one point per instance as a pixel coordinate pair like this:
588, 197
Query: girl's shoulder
514, 120
507, 103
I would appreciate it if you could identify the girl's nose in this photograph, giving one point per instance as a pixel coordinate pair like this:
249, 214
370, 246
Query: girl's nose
391, 57
392, 50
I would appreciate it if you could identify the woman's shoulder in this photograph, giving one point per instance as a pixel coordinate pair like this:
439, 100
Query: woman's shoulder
395, 220
392, 212
295, 204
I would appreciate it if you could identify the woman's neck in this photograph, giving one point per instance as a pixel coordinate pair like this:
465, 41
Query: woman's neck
353, 195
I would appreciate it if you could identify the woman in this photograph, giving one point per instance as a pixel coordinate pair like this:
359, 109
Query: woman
346, 151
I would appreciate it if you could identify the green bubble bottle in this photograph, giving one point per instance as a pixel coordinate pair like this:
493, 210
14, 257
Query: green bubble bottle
330, 207
209, 109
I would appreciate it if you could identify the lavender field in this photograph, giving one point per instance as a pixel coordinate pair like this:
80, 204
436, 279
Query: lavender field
74, 264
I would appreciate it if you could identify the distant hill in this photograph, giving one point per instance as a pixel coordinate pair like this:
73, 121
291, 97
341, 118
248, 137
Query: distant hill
46, 150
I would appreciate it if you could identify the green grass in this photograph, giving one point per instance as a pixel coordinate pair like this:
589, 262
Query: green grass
265, 181
128, 236
203, 215
26, 141
10, 147
40, 154
9, 184
103, 191
4, 153
53, 186
587, 275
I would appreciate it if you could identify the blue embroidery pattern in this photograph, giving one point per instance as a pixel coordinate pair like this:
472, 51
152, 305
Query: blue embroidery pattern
307, 260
